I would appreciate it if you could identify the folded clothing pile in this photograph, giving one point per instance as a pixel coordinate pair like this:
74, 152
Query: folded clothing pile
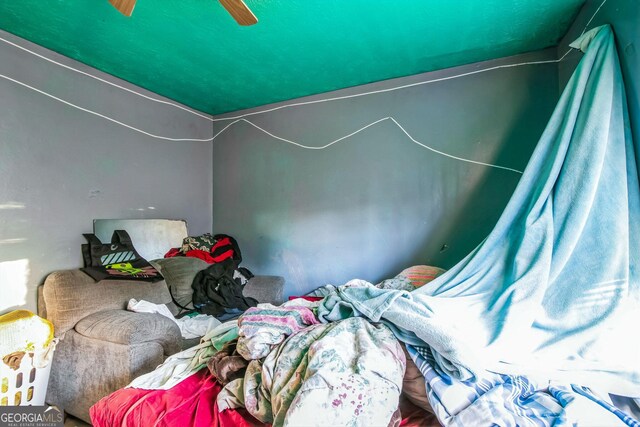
209, 248
227, 364
262, 328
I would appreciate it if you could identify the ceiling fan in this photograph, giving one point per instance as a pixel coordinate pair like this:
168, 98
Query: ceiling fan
238, 10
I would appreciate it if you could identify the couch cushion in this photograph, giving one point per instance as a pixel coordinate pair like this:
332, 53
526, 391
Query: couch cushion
179, 272
265, 289
127, 327
85, 370
71, 295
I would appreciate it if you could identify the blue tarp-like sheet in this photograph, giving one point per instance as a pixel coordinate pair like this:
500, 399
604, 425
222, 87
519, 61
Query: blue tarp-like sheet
553, 291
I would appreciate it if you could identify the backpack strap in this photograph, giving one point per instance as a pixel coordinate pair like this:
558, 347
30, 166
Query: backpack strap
86, 248
121, 237
246, 273
92, 239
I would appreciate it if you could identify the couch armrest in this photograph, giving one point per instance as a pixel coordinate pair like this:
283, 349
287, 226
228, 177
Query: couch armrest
129, 328
265, 289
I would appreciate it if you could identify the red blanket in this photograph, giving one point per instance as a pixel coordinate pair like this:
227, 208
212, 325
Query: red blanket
192, 403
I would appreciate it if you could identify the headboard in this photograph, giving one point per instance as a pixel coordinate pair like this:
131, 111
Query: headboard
152, 238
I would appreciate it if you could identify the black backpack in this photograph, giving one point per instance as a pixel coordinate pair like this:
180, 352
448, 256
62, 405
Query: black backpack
216, 290
118, 260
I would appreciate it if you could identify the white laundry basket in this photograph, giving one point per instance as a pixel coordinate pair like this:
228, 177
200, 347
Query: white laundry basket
26, 385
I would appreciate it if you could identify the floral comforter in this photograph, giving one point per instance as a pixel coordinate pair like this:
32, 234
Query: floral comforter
344, 373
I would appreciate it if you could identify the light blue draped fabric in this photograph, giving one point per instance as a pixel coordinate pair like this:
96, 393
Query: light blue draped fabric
553, 291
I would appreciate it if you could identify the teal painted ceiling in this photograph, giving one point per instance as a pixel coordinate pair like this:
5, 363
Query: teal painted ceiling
192, 51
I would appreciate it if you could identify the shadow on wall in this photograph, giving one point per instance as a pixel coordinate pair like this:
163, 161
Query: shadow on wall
478, 212
473, 219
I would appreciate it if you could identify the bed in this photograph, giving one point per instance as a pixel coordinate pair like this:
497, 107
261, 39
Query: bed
278, 364
299, 370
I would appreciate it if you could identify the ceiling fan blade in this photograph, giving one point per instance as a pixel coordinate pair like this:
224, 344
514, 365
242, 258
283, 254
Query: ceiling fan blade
124, 6
240, 12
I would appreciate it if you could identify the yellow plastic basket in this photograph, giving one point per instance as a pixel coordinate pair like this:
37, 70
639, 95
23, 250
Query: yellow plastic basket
26, 351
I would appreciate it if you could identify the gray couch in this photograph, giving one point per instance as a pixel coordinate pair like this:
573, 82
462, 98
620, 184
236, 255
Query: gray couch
102, 345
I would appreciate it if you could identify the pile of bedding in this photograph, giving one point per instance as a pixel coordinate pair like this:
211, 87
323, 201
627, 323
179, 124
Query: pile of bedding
285, 366
275, 365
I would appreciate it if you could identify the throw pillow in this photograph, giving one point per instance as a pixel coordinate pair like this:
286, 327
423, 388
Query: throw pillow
179, 272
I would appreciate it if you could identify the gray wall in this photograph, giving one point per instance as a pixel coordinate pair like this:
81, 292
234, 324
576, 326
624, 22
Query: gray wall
376, 203
624, 17
60, 167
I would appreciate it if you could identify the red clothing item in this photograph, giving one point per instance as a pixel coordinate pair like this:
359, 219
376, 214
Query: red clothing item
172, 252
191, 403
207, 257
203, 255
412, 416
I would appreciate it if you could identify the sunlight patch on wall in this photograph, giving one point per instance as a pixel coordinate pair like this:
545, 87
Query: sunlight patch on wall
12, 205
14, 276
12, 241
